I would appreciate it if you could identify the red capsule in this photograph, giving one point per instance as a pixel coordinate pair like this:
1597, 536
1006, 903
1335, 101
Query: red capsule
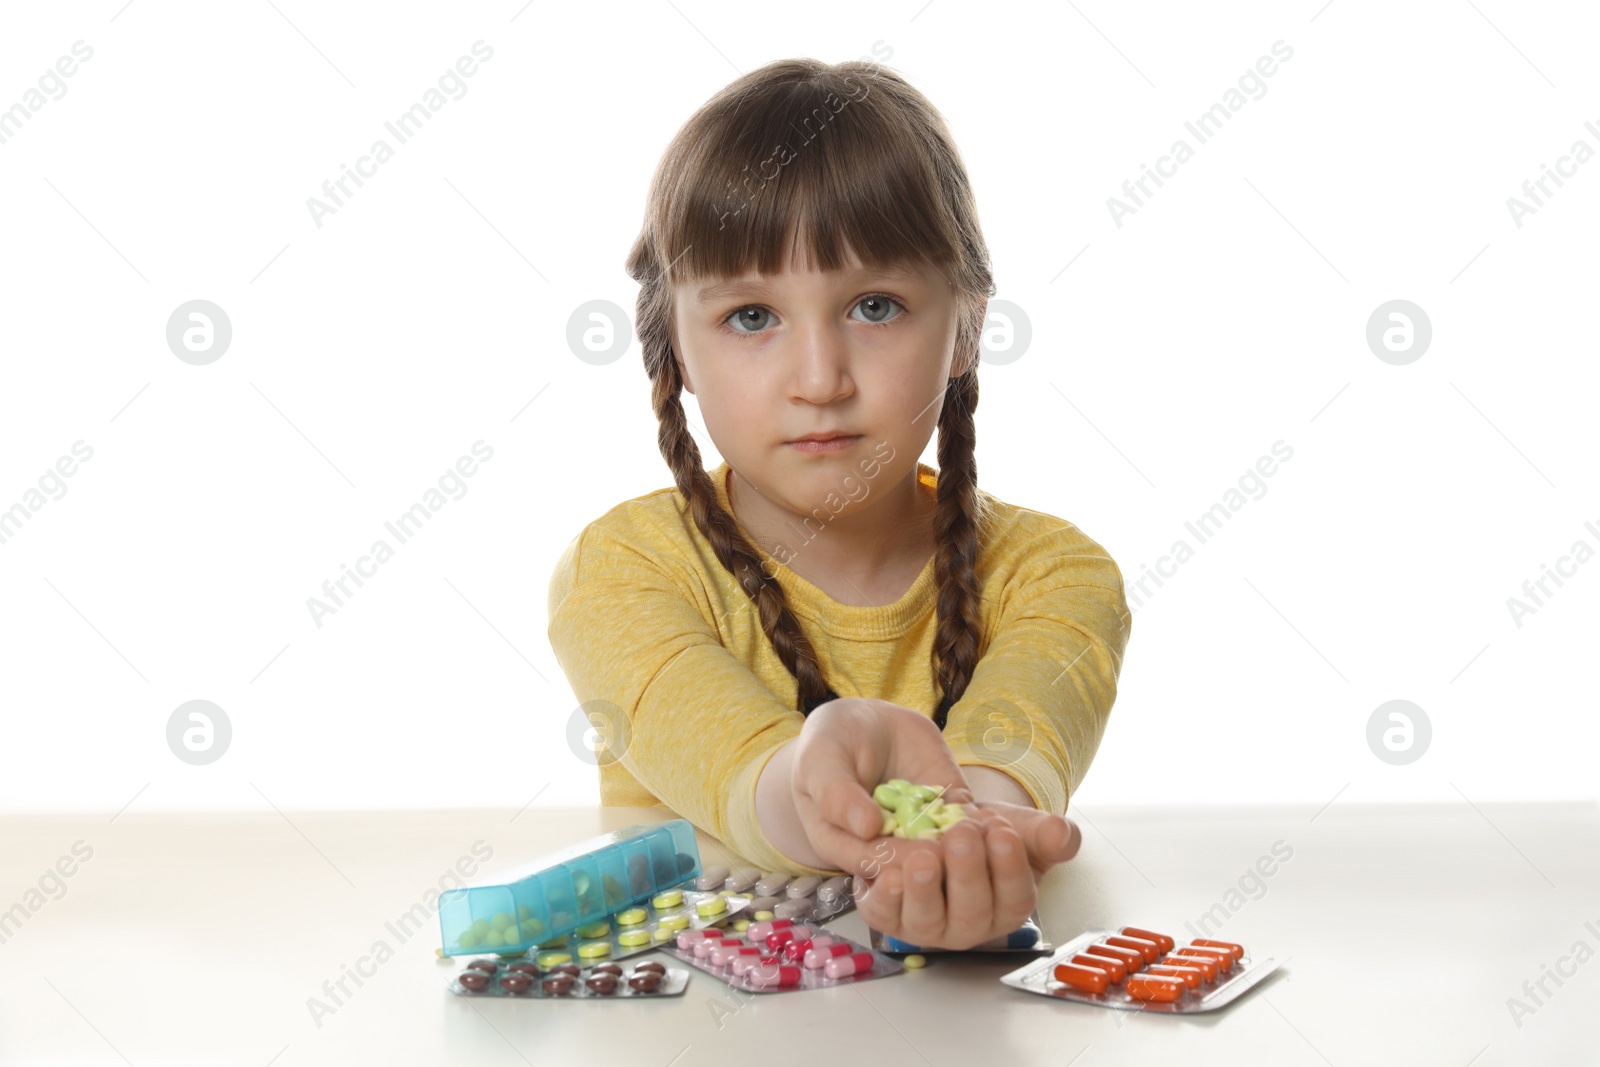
1236, 950
774, 974
1189, 976
1087, 979
1134, 961
795, 951
1153, 987
1204, 964
1114, 968
1166, 943
845, 966
1148, 949
778, 938
1223, 957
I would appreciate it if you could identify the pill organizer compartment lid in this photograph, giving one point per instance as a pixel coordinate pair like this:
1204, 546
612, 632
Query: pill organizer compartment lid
544, 899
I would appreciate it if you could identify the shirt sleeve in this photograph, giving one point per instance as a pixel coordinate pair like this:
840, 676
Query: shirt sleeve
1037, 704
694, 725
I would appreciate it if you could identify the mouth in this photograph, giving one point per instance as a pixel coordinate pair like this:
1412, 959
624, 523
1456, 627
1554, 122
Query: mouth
830, 442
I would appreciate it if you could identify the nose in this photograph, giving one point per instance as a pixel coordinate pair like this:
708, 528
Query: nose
821, 363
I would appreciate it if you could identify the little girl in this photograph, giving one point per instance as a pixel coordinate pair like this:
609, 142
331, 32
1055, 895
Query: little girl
763, 644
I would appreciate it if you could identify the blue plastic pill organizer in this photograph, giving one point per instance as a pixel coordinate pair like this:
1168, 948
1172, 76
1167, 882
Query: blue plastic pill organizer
552, 896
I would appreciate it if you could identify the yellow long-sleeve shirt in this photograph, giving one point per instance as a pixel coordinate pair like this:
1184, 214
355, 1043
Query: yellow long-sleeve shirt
654, 632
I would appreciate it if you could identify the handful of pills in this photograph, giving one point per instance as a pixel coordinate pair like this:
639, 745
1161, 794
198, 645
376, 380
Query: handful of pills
915, 811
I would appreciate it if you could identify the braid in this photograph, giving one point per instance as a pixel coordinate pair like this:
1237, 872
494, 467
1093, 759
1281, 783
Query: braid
733, 549
956, 527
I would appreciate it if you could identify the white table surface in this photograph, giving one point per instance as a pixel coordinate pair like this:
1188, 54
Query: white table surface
200, 939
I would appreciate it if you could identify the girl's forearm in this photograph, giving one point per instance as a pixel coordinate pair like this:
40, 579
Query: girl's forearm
990, 784
776, 813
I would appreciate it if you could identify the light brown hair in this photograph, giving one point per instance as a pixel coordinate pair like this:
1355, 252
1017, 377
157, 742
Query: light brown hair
843, 158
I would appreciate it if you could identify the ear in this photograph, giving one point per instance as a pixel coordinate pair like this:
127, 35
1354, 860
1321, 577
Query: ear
672, 354
965, 361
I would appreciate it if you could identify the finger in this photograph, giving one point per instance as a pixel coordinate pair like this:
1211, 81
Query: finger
922, 908
879, 903
969, 896
1010, 875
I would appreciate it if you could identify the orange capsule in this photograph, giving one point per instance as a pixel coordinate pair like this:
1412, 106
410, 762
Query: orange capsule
1189, 976
1088, 979
1113, 968
1162, 940
1153, 987
1134, 961
1204, 964
1148, 949
1223, 957
1237, 950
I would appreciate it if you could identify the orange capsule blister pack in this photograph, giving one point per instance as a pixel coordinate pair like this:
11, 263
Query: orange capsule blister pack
1136, 969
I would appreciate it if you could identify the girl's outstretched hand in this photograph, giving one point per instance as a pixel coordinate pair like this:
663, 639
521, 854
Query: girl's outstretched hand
979, 881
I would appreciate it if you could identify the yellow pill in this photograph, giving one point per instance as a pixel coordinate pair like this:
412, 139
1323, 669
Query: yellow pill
632, 917
915, 962
594, 930
674, 922
548, 960
670, 899
763, 916
501, 919
741, 925
593, 950
714, 906
523, 912
633, 938
662, 934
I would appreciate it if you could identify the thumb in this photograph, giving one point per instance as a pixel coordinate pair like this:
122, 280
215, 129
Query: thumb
1051, 839
845, 804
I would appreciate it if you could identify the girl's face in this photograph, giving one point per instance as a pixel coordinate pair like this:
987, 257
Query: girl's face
865, 351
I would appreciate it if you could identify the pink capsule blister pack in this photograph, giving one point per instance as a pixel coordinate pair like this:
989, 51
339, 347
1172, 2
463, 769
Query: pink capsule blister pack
1141, 970
781, 956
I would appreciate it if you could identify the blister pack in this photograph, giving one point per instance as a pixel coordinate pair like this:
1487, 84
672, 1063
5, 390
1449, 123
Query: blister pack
1140, 970
641, 928
781, 956
804, 898
523, 980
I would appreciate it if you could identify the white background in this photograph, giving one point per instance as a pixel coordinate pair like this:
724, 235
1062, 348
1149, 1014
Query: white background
430, 312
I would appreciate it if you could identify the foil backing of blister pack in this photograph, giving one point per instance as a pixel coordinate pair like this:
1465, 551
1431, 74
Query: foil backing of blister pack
1037, 977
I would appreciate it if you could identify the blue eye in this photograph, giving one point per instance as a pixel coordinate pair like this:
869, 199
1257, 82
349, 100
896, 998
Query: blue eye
878, 308
757, 318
